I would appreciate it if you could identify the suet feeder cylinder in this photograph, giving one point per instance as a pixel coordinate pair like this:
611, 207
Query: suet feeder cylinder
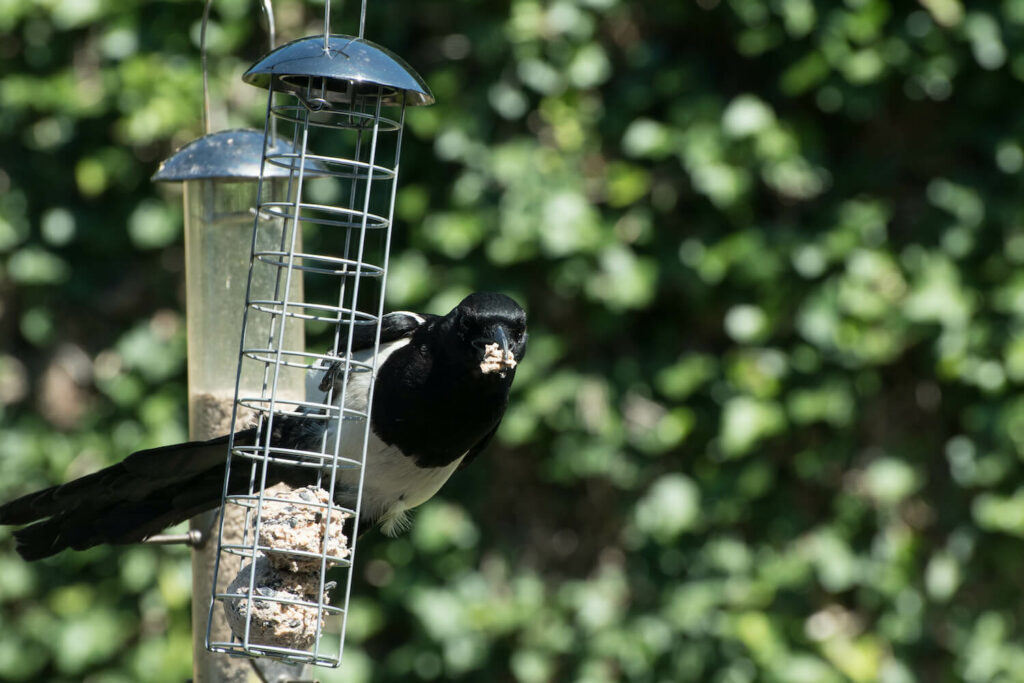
220, 174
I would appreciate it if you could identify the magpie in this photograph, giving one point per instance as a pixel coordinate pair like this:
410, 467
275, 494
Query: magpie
439, 394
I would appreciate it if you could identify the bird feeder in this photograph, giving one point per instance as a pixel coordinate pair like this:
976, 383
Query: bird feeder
340, 100
220, 173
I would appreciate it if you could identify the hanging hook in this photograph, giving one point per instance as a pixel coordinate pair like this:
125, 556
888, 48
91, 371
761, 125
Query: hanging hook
327, 23
202, 61
268, 10
327, 26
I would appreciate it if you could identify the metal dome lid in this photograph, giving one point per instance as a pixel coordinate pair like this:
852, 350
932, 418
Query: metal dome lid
229, 154
346, 62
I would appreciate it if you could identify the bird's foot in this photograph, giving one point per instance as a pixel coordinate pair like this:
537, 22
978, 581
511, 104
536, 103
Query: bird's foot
332, 375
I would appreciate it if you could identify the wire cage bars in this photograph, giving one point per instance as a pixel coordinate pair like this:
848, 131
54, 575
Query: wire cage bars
298, 445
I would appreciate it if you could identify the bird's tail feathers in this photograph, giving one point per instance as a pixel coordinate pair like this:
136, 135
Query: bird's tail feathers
41, 504
145, 493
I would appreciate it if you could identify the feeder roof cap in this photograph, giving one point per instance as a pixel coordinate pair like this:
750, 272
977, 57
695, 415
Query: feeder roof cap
347, 59
229, 155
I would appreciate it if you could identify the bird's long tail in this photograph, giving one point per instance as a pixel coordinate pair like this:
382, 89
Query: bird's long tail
124, 503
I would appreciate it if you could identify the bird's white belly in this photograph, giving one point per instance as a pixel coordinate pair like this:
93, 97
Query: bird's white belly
393, 484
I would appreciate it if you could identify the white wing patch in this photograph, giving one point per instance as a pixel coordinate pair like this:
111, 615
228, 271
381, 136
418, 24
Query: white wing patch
316, 372
415, 316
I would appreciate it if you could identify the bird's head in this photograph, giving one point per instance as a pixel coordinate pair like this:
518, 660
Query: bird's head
492, 329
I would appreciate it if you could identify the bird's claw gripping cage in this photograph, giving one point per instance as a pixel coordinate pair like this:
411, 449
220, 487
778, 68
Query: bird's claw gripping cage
341, 100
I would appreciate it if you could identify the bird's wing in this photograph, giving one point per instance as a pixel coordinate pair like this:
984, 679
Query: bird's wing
393, 326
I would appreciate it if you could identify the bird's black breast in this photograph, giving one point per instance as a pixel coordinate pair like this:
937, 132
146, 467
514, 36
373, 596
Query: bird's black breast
432, 411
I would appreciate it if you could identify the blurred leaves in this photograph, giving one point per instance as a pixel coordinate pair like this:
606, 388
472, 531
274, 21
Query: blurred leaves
768, 427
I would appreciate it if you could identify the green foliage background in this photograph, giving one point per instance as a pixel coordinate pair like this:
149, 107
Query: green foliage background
769, 428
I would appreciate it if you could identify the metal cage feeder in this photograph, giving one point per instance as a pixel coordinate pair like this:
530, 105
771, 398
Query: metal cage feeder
341, 100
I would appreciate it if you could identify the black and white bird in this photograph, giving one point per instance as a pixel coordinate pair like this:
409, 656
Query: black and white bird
440, 392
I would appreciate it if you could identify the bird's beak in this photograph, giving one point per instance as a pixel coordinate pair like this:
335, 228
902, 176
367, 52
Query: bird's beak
502, 338
497, 336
